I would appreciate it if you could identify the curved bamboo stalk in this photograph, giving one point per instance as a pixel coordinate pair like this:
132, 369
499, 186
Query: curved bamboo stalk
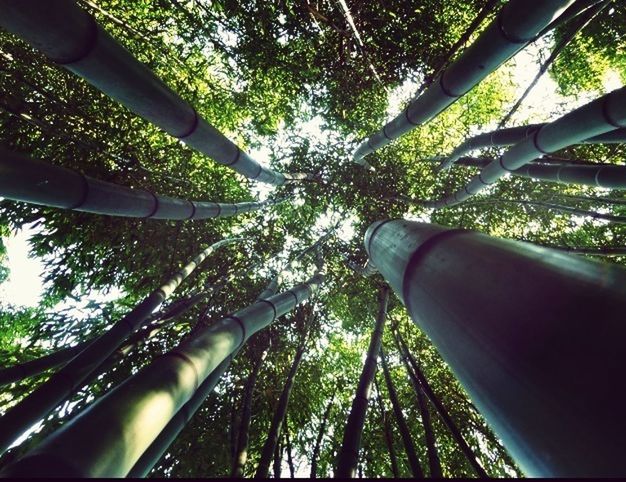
416, 468
48, 395
34, 181
580, 23
71, 37
348, 457
597, 117
514, 27
512, 135
516, 346
130, 417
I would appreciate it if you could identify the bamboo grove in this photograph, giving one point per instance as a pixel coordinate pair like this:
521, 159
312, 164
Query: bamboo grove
314, 238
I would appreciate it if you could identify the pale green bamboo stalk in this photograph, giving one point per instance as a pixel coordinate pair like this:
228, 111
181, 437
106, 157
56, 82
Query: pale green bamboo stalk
597, 117
48, 395
580, 23
516, 24
33, 181
609, 176
71, 37
512, 135
129, 418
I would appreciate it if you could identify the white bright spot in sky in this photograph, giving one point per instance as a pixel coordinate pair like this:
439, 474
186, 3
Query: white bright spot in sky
24, 285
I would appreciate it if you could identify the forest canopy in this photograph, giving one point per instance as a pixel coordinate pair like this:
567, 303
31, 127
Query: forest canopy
297, 84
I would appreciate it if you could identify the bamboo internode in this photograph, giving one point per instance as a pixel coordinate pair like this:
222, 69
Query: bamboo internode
130, 417
516, 24
597, 117
512, 135
60, 385
71, 37
512, 321
34, 181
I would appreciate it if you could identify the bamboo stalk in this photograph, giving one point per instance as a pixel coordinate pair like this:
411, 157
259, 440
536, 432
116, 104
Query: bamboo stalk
515, 26
512, 135
71, 37
48, 395
516, 346
581, 22
129, 418
409, 447
348, 457
597, 117
33, 181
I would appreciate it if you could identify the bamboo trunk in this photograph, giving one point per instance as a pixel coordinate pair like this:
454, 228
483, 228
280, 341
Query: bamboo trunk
393, 459
434, 464
348, 457
441, 410
33, 181
608, 176
155, 451
48, 395
482, 15
517, 346
597, 117
512, 135
69, 36
277, 460
580, 23
130, 417
39, 365
243, 431
514, 27
320, 437
292, 469
407, 440
273, 436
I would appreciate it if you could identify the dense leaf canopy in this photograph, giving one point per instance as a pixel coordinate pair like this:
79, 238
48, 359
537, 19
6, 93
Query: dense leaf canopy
297, 83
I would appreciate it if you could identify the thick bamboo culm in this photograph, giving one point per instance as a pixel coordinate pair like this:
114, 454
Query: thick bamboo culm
529, 350
512, 135
37, 182
597, 117
167, 436
60, 385
516, 24
129, 418
71, 37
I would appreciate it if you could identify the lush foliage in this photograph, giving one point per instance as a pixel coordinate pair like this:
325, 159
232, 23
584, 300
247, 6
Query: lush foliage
290, 82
